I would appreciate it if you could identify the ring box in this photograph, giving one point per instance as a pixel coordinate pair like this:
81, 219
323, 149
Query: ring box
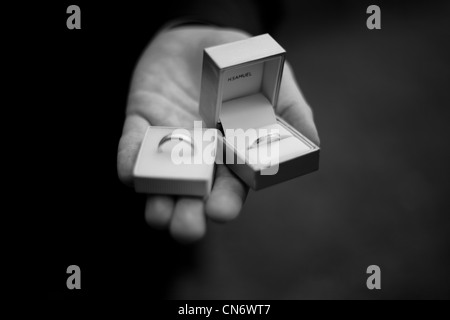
176, 161
239, 91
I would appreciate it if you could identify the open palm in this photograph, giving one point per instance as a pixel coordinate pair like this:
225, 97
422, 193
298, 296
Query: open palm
165, 92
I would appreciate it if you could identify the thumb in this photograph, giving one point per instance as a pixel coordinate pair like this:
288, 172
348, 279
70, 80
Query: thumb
129, 144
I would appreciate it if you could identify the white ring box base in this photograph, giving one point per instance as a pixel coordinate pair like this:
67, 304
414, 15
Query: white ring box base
239, 91
156, 171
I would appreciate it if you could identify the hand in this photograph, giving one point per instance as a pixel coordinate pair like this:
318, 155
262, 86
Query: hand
165, 92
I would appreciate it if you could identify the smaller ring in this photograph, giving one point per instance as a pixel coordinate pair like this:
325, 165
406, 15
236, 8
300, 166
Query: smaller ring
270, 137
176, 136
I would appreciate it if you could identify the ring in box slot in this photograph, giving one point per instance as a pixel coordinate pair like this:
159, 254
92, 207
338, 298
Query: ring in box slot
176, 161
239, 92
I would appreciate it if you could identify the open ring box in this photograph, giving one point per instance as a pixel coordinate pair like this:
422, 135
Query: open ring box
239, 91
176, 161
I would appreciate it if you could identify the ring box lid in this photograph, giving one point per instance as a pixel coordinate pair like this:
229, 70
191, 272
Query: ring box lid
248, 70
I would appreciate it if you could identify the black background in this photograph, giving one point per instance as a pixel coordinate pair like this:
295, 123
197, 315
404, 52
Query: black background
69, 91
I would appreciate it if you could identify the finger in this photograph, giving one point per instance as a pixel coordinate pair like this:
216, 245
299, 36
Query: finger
158, 211
227, 196
132, 136
188, 221
293, 107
